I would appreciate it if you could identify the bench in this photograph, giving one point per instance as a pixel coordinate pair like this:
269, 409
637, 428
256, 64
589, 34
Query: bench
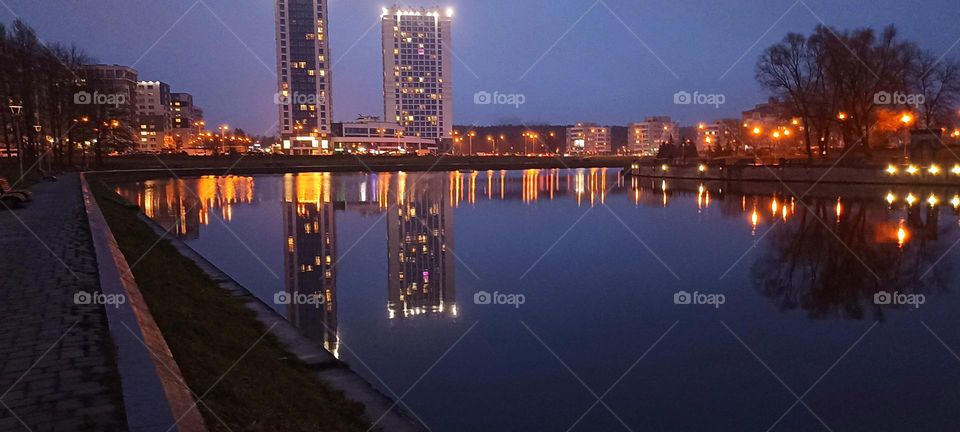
9, 195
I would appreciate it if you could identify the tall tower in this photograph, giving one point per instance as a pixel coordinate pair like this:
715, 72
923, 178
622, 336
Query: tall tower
417, 71
303, 75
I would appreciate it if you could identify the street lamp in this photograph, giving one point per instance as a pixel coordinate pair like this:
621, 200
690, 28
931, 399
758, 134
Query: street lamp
906, 119
471, 135
16, 108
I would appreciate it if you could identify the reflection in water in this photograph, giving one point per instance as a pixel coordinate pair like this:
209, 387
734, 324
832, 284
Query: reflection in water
830, 256
420, 262
308, 260
182, 206
826, 253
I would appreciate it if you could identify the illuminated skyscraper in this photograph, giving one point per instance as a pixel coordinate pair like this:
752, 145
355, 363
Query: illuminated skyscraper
303, 74
420, 263
417, 72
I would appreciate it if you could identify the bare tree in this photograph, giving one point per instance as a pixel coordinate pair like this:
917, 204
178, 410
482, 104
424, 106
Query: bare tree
792, 71
831, 79
938, 81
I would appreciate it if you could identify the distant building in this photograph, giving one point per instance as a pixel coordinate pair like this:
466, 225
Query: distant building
303, 73
153, 107
644, 138
187, 119
588, 138
370, 134
417, 72
111, 92
761, 121
719, 133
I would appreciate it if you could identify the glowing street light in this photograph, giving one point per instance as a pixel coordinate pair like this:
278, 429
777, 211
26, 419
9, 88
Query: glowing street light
911, 199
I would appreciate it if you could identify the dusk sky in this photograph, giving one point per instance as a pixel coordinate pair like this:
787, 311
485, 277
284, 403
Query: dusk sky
584, 63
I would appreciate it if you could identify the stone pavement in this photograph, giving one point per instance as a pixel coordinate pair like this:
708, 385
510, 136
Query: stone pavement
57, 367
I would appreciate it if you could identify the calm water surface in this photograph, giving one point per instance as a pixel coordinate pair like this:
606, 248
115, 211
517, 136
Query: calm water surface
800, 342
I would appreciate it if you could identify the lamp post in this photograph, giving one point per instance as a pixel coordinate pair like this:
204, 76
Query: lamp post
471, 135
38, 146
906, 119
223, 136
16, 108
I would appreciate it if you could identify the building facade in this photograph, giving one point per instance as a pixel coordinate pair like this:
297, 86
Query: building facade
187, 119
644, 138
588, 138
153, 107
417, 72
303, 73
369, 134
719, 135
110, 93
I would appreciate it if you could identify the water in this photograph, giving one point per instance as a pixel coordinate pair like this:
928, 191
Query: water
401, 262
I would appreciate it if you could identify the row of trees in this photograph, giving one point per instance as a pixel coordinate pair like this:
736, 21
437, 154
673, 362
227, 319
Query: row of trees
840, 83
43, 80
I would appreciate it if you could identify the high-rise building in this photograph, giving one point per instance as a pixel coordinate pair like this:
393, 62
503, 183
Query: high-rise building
153, 108
417, 72
303, 74
588, 138
644, 138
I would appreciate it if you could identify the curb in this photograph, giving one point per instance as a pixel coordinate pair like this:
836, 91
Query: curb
155, 395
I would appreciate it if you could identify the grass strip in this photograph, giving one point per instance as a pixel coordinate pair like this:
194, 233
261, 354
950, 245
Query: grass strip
208, 331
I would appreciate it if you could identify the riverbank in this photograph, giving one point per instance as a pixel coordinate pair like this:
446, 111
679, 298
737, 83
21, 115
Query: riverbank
246, 379
822, 173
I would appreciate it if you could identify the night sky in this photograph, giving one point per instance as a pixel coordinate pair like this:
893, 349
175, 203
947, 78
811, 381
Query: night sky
584, 63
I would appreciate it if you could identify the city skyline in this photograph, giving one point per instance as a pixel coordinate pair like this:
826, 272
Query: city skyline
226, 46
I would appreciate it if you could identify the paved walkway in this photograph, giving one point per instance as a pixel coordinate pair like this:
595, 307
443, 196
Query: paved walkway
57, 370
